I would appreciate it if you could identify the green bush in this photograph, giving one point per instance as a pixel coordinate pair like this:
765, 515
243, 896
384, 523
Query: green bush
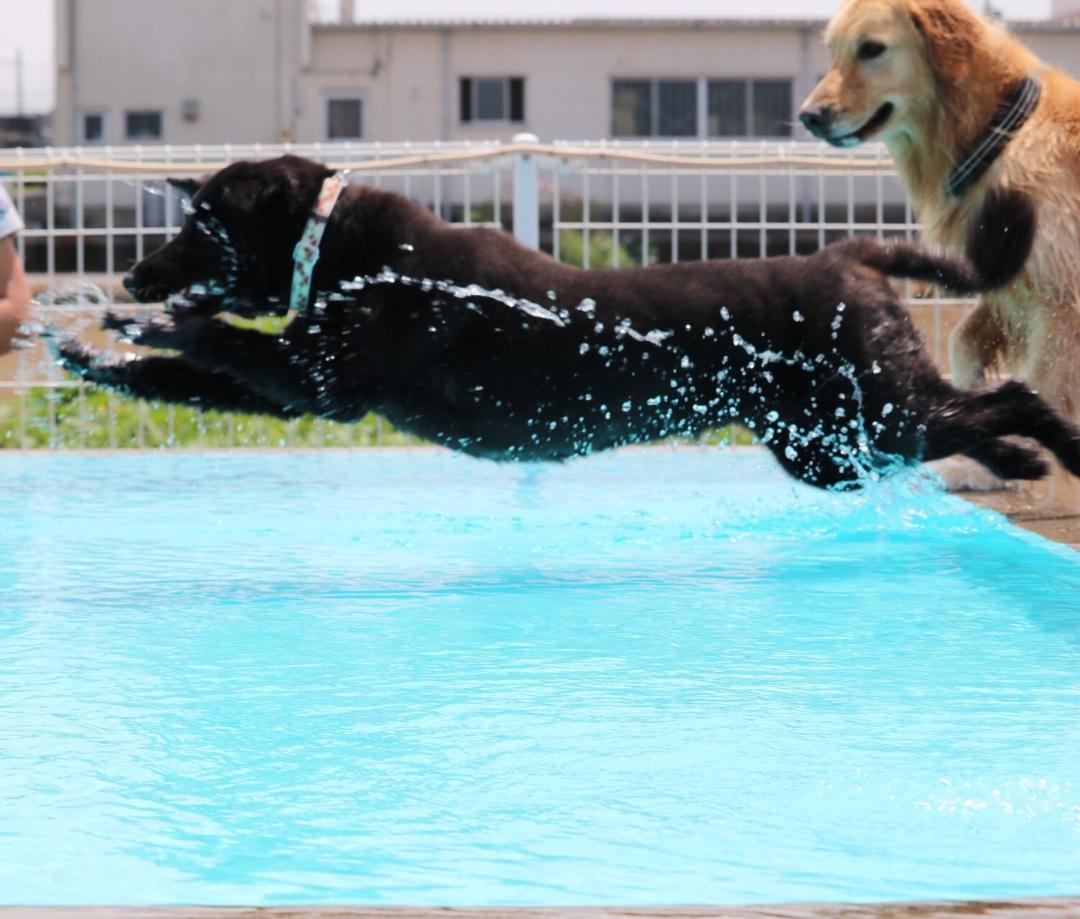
601, 246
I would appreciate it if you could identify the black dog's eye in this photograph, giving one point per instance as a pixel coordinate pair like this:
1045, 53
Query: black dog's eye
869, 50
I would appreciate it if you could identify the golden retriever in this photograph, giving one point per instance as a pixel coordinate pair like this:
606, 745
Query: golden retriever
930, 79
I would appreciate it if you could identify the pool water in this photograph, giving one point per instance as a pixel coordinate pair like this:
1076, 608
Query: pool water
657, 676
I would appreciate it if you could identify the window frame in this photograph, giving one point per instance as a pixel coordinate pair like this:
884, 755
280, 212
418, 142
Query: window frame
101, 113
507, 81
142, 138
751, 110
702, 106
345, 95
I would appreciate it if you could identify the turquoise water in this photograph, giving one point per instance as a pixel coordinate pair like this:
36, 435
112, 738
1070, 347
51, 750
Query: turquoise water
407, 677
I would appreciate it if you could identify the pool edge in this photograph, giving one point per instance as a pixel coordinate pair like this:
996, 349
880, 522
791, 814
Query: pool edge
1051, 521
1048, 908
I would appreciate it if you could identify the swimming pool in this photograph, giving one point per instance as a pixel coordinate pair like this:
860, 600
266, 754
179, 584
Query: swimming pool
657, 676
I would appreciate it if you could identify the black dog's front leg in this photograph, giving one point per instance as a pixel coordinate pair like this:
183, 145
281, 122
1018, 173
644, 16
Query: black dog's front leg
166, 379
260, 362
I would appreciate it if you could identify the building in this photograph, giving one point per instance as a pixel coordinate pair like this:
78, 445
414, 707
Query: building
243, 71
23, 130
131, 71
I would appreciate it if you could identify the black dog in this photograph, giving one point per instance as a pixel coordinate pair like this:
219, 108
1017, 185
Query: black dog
466, 338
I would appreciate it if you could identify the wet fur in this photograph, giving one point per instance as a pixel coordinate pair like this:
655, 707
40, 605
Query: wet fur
815, 354
946, 71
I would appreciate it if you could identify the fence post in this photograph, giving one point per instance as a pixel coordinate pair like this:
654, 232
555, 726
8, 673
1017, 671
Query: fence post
526, 195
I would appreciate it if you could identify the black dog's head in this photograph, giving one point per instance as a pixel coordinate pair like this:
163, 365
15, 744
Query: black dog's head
234, 251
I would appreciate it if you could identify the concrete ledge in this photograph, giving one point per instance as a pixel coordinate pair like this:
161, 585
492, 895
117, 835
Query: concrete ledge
1037, 515
1064, 908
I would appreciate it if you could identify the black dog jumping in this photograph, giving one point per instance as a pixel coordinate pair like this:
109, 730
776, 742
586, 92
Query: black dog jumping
466, 338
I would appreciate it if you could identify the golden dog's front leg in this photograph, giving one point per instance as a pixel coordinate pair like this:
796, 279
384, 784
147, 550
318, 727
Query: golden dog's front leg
975, 347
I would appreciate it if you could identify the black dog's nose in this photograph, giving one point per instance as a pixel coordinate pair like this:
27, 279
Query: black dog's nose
816, 118
130, 284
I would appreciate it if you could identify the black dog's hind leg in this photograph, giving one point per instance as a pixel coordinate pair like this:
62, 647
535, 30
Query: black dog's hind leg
166, 379
1008, 460
966, 422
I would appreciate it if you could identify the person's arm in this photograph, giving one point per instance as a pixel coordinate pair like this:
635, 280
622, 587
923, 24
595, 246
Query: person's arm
14, 293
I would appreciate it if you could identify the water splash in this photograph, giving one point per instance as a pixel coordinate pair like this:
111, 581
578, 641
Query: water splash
741, 391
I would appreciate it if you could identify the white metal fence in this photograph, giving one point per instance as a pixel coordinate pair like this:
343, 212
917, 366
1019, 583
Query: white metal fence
91, 212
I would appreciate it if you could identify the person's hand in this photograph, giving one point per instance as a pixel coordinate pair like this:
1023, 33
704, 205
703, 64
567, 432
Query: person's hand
13, 313
14, 295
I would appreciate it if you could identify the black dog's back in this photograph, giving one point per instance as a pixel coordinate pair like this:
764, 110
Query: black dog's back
467, 338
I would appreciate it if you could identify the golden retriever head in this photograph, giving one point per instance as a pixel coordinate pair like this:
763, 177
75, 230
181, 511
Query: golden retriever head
892, 63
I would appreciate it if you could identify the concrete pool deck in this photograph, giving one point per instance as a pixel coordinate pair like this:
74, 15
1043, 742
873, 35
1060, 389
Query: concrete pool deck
1057, 908
1051, 521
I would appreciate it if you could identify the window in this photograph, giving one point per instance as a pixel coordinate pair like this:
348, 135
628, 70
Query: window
701, 108
344, 118
654, 108
492, 99
631, 108
773, 107
142, 125
93, 128
727, 108
750, 108
676, 108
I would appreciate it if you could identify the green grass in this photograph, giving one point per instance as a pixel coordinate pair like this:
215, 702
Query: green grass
87, 418
95, 419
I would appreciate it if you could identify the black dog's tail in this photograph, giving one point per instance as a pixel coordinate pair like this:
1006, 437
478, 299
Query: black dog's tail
998, 245
971, 423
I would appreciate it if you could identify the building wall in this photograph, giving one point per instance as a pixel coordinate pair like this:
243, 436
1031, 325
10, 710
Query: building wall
409, 77
258, 73
235, 59
1058, 49
1064, 7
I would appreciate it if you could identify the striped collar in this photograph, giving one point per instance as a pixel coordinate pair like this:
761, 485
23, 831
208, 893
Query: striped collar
1011, 116
306, 253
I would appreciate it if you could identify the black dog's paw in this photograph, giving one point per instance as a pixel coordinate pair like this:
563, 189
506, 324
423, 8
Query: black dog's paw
87, 362
1010, 460
174, 331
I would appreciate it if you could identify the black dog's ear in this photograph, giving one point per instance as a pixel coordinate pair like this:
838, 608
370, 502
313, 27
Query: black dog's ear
187, 187
265, 193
